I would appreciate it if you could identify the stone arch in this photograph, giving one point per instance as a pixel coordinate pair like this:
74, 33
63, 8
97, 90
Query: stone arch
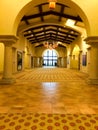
78, 8
28, 6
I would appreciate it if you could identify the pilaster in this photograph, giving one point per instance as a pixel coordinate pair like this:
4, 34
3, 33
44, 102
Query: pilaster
8, 41
29, 61
93, 66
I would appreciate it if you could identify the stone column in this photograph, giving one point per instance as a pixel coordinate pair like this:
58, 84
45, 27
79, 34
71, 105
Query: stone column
59, 62
80, 60
38, 61
14, 61
23, 61
65, 62
93, 66
88, 59
33, 61
70, 61
7, 72
29, 61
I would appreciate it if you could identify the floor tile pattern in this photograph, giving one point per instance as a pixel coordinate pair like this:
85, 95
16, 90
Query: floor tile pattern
49, 90
51, 75
48, 122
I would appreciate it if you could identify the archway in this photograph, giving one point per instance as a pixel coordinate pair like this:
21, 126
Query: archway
75, 62
33, 3
20, 12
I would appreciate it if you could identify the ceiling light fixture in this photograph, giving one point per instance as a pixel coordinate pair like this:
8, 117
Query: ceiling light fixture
52, 4
50, 45
31, 35
70, 22
29, 31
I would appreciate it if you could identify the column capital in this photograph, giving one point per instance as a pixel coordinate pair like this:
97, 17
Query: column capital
89, 48
28, 53
24, 52
14, 48
70, 55
91, 40
80, 51
8, 39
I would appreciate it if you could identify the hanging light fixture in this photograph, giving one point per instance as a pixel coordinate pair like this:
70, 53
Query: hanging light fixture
52, 4
51, 45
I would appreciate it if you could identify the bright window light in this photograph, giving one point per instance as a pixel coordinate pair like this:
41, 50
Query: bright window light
70, 22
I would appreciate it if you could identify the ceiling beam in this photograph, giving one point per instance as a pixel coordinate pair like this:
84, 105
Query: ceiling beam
54, 30
77, 18
40, 12
52, 38
45, 26
62, 11
26, 21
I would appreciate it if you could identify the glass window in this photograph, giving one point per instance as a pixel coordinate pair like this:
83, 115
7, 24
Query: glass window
50, 58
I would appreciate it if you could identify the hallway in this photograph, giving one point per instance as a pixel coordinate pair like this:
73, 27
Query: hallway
49, 90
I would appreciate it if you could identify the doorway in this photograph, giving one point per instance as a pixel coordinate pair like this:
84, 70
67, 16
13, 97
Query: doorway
50, 58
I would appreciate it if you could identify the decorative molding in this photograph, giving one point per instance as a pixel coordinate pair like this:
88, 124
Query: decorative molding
70, 55
89, 48
10, 39
91, 39
7, 81
14, 48
80, 51
24, 51
28, 53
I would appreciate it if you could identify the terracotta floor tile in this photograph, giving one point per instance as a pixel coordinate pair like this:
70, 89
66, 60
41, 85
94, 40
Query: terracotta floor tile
50, 90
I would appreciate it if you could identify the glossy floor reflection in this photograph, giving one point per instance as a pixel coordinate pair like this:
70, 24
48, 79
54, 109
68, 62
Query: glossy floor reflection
49, 90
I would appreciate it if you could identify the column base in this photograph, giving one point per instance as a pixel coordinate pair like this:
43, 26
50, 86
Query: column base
92, 81
7, 81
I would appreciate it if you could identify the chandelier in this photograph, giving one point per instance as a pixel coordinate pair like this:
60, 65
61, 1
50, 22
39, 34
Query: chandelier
50, 45
52, 4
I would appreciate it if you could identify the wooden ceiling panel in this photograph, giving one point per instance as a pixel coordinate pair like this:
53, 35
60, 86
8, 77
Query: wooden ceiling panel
33, 20
45, 32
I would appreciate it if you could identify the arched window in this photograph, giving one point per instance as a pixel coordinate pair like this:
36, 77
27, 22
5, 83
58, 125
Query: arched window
50, 58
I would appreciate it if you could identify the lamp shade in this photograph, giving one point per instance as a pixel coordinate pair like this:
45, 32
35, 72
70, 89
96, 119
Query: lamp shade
52, 4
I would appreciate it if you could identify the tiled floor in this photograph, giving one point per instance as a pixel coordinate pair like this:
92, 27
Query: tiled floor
49, 90
31, 121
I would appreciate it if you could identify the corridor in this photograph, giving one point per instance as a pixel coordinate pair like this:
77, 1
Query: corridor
49, 90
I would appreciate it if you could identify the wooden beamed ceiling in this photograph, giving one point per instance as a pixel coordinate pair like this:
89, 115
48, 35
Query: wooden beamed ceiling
55, 32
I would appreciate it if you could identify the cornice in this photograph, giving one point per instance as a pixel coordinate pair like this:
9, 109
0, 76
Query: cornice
91, 39
8, 38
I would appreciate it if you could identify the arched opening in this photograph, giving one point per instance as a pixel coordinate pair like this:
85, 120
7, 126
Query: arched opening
50, 58
28, 6
36, 29
75, 61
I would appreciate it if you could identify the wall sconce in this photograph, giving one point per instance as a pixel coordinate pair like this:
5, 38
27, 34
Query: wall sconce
52, 4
